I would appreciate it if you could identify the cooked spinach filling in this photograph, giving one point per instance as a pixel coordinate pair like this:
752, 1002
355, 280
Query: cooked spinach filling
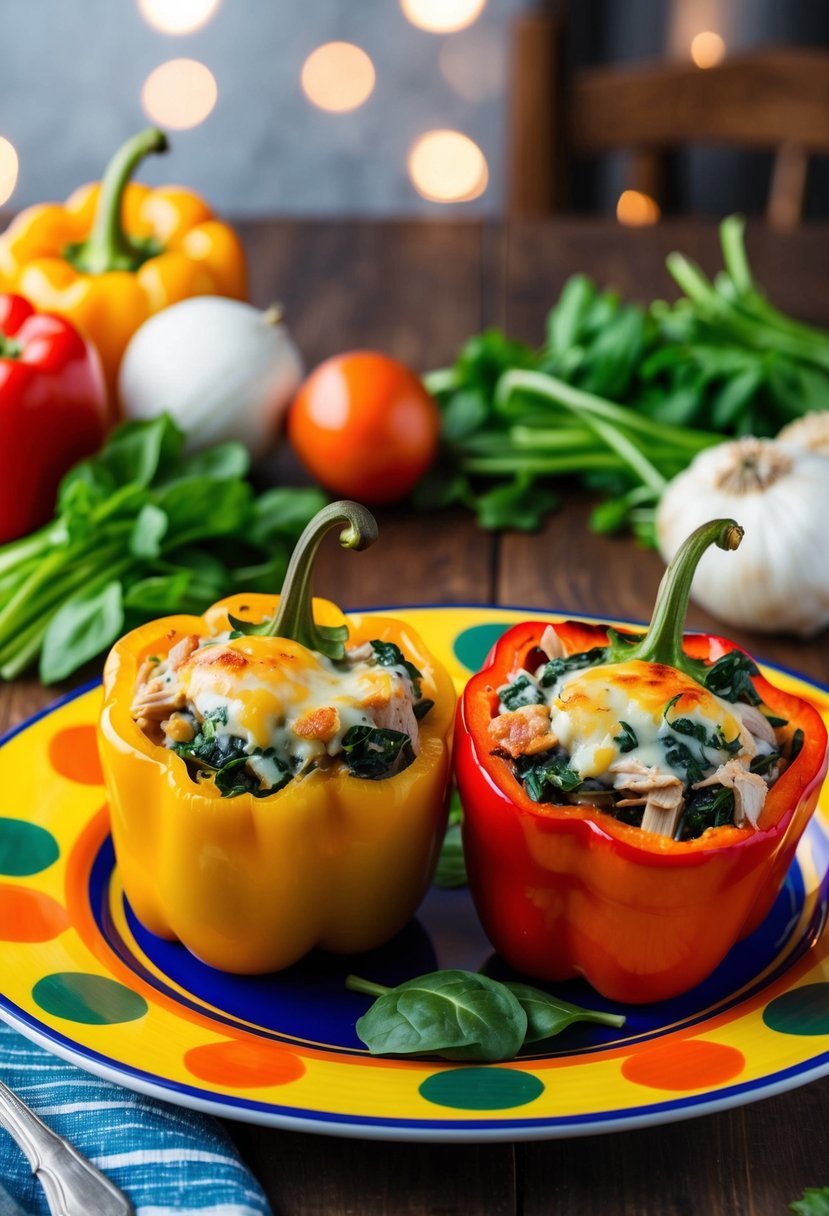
370, 752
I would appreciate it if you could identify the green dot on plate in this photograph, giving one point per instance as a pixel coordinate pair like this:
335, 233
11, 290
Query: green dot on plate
25, 848
474, 644
92, 999
802, 1011
481, 1088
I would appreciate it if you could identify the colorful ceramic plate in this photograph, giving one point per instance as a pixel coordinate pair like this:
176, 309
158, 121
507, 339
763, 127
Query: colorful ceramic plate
82, 977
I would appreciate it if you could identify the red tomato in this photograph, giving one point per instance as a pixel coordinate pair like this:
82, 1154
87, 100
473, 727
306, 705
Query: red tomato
364, 427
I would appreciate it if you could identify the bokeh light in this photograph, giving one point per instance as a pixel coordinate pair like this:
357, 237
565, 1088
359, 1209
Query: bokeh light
447, 167
707, 49
637, 210
338, 76
474, 64
179, 94
177, 16
9, 165
442, 16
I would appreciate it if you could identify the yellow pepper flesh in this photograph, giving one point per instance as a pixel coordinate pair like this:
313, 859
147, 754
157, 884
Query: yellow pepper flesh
252, 884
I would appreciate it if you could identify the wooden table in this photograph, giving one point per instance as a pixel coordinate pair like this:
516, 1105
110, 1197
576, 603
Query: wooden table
418, 291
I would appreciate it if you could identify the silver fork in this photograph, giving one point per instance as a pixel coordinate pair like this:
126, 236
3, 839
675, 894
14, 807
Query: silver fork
73, 1186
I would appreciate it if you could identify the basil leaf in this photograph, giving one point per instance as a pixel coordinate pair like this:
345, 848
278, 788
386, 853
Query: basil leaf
201, 507
626, 738
521, 505
730, 678
548, 1015
81, 628
224, 462
373, 753
139, 451
459, 1015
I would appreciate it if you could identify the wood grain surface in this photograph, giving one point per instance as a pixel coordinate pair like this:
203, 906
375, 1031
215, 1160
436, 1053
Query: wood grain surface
419, 291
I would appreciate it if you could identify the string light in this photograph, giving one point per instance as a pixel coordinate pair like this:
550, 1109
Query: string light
9, 165
442, 16
707, 49
338, 76
637, 210
447, 167
179, 94
177, 16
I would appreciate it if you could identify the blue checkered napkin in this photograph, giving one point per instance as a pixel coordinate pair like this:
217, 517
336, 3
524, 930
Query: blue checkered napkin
165, 1158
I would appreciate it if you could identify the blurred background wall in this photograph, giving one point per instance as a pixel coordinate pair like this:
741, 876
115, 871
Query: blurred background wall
270, 114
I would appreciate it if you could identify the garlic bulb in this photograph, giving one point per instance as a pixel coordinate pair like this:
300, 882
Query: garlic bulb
778, 580
811, 432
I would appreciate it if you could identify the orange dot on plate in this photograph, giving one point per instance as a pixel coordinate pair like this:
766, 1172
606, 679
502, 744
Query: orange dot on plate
29, 916
684, 1065
73, 753
244, 1063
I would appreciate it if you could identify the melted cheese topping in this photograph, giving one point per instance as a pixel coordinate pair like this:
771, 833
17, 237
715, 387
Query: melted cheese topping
587, 709
265, 685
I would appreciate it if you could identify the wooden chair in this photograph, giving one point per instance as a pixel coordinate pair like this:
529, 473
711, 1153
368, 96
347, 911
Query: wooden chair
772, 99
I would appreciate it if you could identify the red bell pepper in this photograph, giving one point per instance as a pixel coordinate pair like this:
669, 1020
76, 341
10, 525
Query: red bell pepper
52, 411
566, 890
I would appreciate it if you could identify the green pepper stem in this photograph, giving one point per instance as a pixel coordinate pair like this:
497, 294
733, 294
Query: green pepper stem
355, 984
663, 641
108, 247
295, 616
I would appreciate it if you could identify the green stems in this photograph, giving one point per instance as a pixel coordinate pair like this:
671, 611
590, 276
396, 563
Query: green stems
663, 641
295, 616
108, 247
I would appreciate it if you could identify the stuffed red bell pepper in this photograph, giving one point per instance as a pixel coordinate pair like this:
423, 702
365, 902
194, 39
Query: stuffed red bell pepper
52, 411
631, 802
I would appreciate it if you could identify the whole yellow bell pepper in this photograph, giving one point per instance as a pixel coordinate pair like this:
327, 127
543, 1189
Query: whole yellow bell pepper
116, 252
251, 884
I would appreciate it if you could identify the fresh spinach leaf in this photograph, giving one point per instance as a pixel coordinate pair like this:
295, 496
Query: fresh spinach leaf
148, 531
159, 593
548, 1015
458, 1015
83, 626
373, 753
521, 505
282, 512
814, 1202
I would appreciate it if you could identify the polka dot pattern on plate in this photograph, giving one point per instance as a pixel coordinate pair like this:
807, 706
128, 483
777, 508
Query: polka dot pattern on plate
481, 1088
94, 1000
802, 1011
472, 645
73, 752
30, 916
245, 1064
25, 848
684, 1065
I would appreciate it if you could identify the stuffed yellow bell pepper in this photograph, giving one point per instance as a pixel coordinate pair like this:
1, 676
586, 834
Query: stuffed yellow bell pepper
277, 773
117, 252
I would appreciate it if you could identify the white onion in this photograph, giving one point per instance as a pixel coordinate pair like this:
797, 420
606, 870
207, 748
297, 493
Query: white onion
221, 369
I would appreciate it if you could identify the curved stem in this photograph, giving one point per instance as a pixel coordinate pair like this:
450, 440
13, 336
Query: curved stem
108, 247
663, 641
295, 616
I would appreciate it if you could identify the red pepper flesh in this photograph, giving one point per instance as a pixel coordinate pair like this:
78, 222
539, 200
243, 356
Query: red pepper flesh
52, 411
564, 891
